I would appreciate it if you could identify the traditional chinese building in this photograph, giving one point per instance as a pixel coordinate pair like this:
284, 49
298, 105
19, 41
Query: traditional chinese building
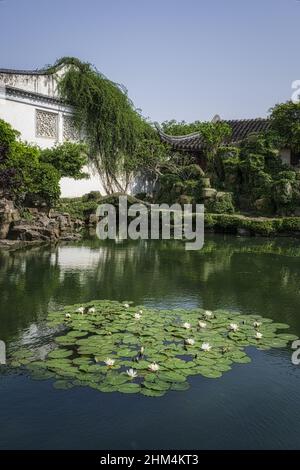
30, 102
241, 128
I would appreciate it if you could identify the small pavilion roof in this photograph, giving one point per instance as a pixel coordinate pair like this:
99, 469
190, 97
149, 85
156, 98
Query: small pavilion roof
241, 128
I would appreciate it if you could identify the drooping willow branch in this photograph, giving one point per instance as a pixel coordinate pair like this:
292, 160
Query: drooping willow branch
108, 120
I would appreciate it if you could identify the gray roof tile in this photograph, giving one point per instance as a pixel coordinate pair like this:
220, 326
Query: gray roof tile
241, 128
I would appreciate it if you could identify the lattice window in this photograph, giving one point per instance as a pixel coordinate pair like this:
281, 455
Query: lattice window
69, 130
46, 124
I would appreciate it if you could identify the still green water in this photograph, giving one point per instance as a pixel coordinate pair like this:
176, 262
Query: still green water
254, 406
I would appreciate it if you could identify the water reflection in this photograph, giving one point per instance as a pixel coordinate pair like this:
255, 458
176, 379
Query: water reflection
249, 275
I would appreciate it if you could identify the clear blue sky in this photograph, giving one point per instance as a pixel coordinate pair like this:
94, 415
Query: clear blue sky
182, 59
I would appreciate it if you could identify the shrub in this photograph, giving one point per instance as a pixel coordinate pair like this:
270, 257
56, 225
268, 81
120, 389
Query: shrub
44, 186
32, 182
222, 204
76, 207
31, 176
261, 227
290, 224
68, 158
91, 196
8, 136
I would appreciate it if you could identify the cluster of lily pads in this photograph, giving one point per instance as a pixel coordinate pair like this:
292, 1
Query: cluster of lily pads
117, 347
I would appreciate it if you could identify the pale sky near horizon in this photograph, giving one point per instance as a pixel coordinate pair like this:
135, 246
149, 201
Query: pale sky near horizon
179, 59
182, 59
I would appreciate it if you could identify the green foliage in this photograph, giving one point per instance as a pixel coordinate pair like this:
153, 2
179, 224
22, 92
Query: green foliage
108, 119
108, 346
213, 134
42, 185
253, 171
191, 172
255, 226
31, 176
77, 207
285, 124
32, 180
256, 175
148, 157
82, 207
174, 127
68, 158
91, 196
183, 181
227, 165
222, 204
8, 136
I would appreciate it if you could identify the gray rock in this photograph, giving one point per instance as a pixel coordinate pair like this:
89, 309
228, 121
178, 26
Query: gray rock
70, 238
8, 214
208, 193
205, 182
93, 219
41, 226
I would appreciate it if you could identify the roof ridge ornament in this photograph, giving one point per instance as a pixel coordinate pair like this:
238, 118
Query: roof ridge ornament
216, 118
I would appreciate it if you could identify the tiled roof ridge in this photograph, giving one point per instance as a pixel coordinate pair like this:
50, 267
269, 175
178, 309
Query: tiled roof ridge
32, 94
25, 72
241, 128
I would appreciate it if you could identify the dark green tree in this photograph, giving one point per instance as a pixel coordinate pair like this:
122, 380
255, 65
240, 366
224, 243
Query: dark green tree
285, 124
31, 176
68, 158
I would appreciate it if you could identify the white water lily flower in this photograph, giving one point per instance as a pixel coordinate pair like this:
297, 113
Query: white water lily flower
257, 324
141, 312
91, 310
126, 305
109, 362
233, 327
132, 373
153, 367
68, 315
142, 350
206, 347
258, 335
208, 313
137, 316
187, 325
202, 324
80, 310
190, 341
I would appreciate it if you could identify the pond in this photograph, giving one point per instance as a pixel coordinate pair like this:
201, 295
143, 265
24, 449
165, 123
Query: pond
252, 406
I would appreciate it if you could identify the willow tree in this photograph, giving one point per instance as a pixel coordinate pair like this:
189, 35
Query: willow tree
105, 115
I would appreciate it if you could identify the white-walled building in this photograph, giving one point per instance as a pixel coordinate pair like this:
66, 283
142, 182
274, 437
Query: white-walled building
29, 101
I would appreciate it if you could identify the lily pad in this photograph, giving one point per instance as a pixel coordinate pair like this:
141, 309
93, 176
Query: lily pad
114, 351
129, 388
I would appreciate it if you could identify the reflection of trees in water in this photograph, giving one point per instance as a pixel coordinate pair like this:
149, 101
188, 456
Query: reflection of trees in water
243, 274
26, 283
257, 283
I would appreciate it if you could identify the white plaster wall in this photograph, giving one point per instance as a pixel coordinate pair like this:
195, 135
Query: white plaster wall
75, 188
44, 84
21, 116
20, 112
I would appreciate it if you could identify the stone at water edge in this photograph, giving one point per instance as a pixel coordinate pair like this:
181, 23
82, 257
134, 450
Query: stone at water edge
8, 214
